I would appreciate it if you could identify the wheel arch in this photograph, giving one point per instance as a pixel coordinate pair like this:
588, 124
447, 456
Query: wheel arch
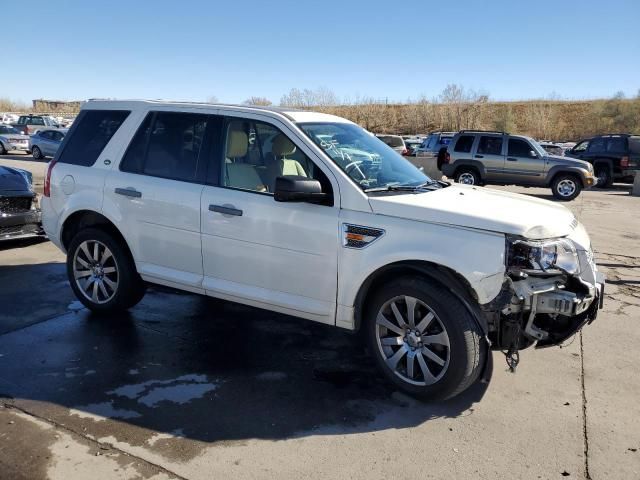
470, 164
559, 170
81, 219
445, 276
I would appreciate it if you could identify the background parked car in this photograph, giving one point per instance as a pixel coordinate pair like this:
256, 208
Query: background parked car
45, 143
394, 141
412, 145
478, 157
552, 148
11, 139
8, 118
615, 157
19, 212
432, 145
29, 124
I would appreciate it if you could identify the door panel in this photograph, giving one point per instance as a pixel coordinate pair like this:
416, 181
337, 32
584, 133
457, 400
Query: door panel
521, 166
489, 152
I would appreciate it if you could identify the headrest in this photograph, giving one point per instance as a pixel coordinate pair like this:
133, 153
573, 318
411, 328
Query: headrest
237, 144
282, 146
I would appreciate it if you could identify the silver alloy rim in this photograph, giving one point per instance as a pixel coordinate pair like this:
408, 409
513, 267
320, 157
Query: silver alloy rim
95, 271
466, 178
566, 187
412, 340
33, 152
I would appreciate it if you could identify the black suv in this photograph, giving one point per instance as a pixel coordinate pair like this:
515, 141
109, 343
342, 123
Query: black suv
615, 157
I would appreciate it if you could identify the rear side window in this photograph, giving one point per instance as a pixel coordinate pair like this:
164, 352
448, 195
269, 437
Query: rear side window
617, 144
634, 145
464, 144
519, 148
167, 145
597, 145
91, 134
490, 145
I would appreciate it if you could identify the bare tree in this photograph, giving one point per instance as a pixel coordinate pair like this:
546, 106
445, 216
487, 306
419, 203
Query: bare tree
307, 98
258, 101
212, 99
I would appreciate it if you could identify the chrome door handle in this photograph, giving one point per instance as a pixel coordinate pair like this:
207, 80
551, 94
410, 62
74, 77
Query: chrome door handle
128, 192
511, 159
479, 156
226, 210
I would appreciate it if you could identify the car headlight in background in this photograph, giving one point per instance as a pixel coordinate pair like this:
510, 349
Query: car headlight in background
542, 256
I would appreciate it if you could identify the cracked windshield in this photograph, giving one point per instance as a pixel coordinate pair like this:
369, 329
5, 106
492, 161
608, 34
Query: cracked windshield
367, 160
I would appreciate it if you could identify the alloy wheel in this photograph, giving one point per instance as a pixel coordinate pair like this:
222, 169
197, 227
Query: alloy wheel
412, 340
566, 187
95, 271
466, 178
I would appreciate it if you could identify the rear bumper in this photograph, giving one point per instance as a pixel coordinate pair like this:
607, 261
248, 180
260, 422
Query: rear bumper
21, 225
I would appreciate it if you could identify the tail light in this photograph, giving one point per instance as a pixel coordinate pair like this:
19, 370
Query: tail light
47, 180
624, 161
447, 157
405, 152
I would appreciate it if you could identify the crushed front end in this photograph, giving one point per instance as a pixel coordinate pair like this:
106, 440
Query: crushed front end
552, 288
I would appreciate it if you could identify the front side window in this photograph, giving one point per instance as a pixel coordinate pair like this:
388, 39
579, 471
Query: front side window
256, 153
519, 148
167, 145
92, 132
464, 144
490, 145
366, 159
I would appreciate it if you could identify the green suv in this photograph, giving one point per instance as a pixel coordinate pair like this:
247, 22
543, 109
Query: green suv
480, 157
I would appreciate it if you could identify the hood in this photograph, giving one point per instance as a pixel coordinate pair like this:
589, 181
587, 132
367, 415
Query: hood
480, 208
14, 180
573, 162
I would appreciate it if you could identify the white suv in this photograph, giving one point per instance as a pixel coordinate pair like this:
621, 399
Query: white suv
269, 208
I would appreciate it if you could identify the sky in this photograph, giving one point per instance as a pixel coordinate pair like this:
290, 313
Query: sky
232, 50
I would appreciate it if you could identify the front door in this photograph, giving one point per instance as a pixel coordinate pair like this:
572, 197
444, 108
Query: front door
524, 164
156, 193
275, 255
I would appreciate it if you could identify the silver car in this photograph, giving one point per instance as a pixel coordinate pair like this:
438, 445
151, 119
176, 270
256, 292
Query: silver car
45, 143
12, 140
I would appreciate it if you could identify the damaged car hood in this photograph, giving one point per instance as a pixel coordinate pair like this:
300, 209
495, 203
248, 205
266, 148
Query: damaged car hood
480, 208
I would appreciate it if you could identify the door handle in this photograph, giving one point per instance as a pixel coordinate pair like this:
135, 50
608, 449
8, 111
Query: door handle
479, 156
511, 159
128, 192
226, 210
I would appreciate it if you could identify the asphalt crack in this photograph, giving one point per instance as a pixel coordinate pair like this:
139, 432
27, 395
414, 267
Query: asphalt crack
101, 445
585, 433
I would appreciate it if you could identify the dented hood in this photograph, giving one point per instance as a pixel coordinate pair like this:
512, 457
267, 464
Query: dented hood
481, 208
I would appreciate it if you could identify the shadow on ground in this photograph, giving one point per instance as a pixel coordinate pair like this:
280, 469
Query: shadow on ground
198, 368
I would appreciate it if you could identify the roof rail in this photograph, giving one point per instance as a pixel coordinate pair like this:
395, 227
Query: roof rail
483, 131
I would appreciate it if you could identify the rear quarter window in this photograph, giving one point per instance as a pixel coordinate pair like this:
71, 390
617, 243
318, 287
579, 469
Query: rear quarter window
92, 132
634, 145
464, 144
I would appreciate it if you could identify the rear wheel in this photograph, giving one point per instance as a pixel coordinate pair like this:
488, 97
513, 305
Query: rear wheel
3, 151
423, 339
102, 273
603, 174
37, 154
467, 176
566, 187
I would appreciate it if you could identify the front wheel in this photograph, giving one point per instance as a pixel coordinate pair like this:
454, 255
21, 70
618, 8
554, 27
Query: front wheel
566, 187
37, 154
102, 273
423, 338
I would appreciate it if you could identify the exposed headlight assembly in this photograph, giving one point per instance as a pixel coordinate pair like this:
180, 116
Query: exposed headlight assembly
542, 256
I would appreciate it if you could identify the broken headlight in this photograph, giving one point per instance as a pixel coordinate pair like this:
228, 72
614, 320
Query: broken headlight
542, 256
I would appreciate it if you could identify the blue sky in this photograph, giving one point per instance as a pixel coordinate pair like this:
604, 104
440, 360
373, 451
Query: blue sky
192, 50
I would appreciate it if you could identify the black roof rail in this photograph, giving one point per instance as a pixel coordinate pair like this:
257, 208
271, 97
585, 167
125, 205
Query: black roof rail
484, 131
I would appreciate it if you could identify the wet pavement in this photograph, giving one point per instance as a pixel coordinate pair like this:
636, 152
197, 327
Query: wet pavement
185, 386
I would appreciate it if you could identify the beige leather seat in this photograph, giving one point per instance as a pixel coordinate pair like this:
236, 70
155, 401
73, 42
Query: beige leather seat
279, 164
240, 175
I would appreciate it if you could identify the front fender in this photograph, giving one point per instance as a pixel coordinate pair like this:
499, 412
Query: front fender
579, 172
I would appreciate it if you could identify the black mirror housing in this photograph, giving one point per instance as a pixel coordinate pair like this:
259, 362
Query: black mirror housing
293, 188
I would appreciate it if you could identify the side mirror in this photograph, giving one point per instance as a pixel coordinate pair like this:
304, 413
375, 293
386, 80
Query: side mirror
293, 188
533, 154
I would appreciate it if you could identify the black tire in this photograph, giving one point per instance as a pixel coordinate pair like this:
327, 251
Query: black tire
565, 187
467, 175
3, 151
604, 176
37, 153
130, 286
467, 349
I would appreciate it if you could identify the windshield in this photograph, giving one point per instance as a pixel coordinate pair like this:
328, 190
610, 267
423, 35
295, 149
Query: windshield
366, 159
6, 129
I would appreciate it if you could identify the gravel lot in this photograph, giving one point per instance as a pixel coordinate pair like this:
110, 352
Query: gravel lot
190, 387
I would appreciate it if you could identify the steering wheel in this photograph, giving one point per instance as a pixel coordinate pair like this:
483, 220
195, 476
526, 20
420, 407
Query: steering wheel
354, 165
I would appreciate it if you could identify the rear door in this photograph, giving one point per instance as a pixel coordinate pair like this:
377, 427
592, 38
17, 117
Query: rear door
523, 164
490, 151
276, 255
155, 194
